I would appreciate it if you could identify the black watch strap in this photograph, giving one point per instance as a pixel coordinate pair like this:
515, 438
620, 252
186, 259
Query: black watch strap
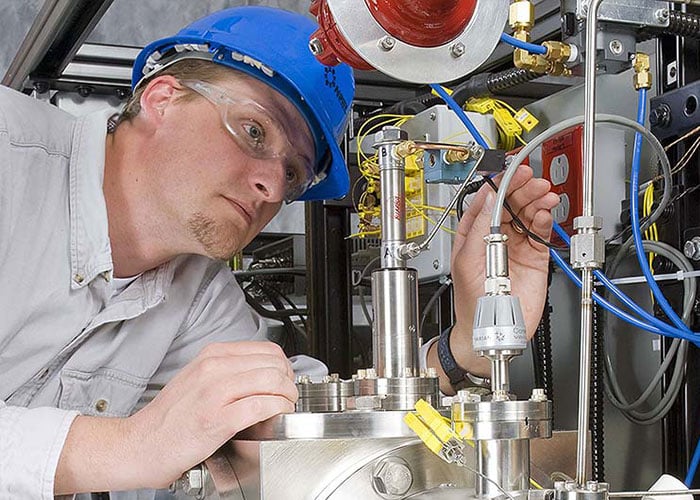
459, 377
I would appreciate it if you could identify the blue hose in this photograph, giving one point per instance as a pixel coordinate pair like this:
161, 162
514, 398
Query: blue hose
452, 104
661, 328
634, 214
693, 466
667, 330
649, 318
532, 48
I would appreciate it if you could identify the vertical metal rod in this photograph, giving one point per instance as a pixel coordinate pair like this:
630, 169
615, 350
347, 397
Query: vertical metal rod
500, 378
589, 112
392, 174
584, 384
587, 272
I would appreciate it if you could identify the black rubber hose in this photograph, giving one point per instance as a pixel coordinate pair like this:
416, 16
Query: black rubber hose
542, 346
483, 84
510, 78
542, 352
679, 24
597, 420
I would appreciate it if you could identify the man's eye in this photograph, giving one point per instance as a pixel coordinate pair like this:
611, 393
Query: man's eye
292, 176
255, 131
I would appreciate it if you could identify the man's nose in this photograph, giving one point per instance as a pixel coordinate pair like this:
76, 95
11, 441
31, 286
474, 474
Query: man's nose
267, 177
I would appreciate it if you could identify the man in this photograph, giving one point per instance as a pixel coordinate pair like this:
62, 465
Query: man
125, 347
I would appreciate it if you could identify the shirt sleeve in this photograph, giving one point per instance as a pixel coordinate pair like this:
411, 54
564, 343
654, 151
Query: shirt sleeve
219, 313
31, 441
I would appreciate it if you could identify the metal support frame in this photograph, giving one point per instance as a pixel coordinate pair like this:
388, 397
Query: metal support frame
58, 31
329, 300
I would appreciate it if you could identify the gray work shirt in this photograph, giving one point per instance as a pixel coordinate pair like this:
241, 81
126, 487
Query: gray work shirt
68, 344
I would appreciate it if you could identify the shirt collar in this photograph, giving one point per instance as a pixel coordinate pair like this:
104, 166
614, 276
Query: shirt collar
90, 248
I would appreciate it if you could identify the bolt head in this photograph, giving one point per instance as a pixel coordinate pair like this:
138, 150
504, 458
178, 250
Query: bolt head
616, 47
457, 50
316, 46
691, 249
389, 134
661, 14
392, 477
387, 43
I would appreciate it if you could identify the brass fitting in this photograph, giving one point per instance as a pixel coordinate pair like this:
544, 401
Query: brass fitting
521, 15
524, 60
558, 69
557, 51
456, 156
642, 71
405, 149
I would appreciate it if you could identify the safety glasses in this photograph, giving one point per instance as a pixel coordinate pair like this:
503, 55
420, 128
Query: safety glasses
259, 135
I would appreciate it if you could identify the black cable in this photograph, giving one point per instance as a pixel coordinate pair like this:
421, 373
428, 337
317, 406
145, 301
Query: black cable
431, 302
271, 271
483, 84
291, 329
519, 223
470, 188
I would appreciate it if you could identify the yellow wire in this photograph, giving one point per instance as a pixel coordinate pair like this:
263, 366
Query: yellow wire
506, 105
425, 216
535, 484
362, 234
437, 209
651, 233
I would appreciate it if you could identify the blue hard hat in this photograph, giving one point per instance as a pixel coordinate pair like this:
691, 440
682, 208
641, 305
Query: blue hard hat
271, 45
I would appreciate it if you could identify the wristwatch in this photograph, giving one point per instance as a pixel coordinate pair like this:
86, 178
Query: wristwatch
458, 376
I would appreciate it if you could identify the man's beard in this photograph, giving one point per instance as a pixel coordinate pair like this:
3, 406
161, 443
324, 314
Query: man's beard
219, 239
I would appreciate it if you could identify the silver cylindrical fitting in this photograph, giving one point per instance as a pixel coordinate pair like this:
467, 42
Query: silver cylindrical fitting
496, 256
506, 463
395, 328
499, 324
392, 175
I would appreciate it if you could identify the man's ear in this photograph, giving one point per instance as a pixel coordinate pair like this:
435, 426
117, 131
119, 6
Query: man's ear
158, 95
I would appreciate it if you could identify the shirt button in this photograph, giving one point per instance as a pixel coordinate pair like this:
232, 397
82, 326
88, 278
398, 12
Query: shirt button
101, 405
78, 278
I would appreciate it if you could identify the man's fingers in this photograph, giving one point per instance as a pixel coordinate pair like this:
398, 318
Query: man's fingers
263, 381
249, 349
478, 209
245, 412
542, 225
546, 202
527, 193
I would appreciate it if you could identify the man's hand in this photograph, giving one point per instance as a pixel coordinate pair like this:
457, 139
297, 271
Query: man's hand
532, 201
226, 388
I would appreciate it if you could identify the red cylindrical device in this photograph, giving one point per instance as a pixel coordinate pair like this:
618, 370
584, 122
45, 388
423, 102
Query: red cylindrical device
332, 47
422, 23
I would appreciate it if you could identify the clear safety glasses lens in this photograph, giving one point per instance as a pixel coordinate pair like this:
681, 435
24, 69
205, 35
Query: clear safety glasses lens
260, 136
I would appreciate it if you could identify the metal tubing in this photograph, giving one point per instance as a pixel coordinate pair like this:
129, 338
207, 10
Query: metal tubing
506, 462
500, 374
632, 494
392, 173
589, 112
584, 383
395, 327
587, 272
